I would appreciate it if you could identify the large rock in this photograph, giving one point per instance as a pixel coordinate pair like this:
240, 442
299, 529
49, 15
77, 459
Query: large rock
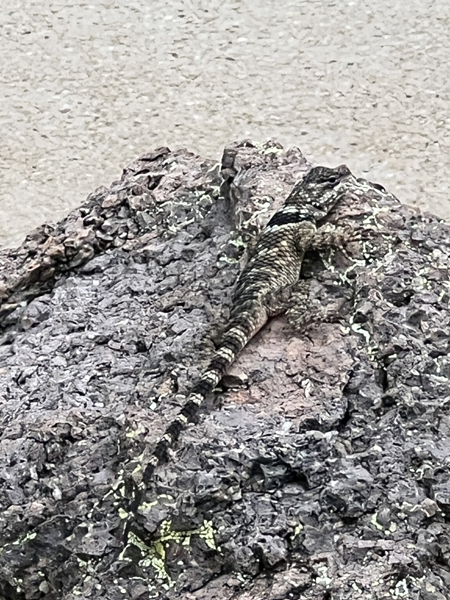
325, 475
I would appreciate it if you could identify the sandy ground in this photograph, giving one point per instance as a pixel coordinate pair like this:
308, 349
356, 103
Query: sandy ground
85, 88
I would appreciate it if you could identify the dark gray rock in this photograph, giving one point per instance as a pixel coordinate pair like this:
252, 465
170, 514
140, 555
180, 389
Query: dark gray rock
325, 476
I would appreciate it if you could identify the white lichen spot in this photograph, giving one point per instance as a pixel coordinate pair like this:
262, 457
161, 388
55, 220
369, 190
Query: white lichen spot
356, 327
400, 590
323, 579
375, 523
308, 387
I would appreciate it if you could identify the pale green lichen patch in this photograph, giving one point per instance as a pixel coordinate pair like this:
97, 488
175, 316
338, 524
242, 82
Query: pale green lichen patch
19, 542
26, 538
123, 513
154, 554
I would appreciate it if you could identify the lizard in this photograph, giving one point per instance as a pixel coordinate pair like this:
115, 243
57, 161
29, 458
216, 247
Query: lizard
264, 288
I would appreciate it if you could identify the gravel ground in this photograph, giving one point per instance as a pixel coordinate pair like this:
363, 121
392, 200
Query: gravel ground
85, 88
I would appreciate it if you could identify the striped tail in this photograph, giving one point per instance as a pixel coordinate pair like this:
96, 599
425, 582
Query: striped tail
233, 341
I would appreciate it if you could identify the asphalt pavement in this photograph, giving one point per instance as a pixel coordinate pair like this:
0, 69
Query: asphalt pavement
85, 88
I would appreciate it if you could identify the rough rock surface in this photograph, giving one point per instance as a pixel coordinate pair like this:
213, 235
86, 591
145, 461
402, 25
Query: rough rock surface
325, 475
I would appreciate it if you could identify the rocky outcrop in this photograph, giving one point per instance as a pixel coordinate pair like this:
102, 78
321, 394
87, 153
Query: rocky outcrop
323, 475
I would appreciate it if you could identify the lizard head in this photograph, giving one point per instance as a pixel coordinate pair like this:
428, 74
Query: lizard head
320, 189
321, 180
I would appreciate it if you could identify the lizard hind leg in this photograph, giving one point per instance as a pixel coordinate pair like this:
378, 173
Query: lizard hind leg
299, 313
280, 301
294, 301
305, 310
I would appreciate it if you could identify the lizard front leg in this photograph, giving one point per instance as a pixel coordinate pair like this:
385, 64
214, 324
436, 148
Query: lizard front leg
331, 236
299, 309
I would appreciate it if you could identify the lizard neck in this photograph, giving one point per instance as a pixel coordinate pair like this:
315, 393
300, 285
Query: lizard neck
296, 212
306, 211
